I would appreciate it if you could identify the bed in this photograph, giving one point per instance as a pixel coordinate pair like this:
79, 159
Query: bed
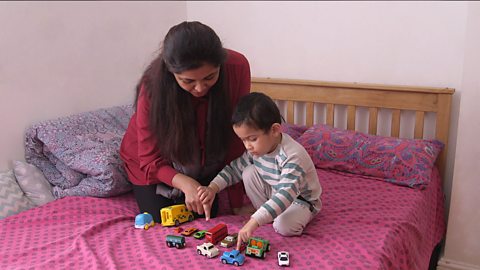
383, 205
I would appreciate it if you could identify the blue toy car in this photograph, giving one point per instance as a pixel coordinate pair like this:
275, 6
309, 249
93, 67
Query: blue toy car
232, 257
144, 221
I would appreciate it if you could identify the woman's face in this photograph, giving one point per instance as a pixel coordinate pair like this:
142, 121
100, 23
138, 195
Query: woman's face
198, 81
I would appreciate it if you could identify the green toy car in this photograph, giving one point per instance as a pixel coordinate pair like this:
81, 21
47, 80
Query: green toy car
199, 234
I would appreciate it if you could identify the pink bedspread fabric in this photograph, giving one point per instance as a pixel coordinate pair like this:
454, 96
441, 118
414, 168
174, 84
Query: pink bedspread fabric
364, 224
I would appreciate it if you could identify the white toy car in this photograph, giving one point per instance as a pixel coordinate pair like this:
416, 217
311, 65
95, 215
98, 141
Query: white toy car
207, 250
283, 258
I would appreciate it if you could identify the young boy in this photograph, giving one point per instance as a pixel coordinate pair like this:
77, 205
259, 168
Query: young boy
279, 176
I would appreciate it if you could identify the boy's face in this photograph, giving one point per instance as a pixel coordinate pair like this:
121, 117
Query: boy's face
256, 141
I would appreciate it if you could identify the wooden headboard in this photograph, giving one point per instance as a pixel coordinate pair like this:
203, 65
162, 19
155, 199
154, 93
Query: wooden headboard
373, 97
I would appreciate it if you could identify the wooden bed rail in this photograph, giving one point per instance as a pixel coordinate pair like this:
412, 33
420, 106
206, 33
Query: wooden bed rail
374, 97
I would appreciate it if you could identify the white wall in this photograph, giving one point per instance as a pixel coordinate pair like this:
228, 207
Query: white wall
59, 58
462, 247
407, 43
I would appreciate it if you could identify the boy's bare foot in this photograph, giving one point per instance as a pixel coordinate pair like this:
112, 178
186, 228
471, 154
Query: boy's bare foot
246, 210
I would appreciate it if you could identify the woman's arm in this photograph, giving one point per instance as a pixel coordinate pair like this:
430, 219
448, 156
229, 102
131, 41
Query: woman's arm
156, 169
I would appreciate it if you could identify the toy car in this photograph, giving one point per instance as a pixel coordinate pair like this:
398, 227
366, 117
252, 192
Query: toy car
207, 250
175, 241
178, 229
229, 241
243, 246
189, 231
232, 257
144, 221
199, 234
257, 247
283, 258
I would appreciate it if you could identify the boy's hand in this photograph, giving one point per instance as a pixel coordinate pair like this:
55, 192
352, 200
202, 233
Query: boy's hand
246, 232
206, 196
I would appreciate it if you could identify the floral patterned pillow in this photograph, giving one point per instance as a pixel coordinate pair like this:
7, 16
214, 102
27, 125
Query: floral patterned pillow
295, 131
405, 162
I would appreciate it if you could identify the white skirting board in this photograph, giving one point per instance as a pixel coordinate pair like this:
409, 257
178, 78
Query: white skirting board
447, 264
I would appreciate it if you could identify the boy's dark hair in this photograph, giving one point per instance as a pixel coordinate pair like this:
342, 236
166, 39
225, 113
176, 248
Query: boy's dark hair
256, 110
188, 45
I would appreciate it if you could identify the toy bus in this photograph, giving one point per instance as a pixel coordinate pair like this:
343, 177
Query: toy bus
175, 214
216, 233
175, 241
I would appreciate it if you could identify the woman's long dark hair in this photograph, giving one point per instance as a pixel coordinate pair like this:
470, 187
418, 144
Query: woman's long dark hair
188, 45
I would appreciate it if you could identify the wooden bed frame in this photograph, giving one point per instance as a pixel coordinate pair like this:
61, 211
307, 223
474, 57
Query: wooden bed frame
374, 97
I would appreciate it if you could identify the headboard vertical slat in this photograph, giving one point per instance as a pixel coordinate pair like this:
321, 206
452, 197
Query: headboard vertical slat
330, 114
395, 130
372, 120
351, 113
290, 111
309, 114
419, 123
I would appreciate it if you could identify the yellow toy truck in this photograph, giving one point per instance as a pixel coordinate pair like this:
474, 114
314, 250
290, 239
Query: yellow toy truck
175, 214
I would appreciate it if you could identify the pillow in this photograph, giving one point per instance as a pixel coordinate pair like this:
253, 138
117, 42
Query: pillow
405, 162
12, 198
295, 131
33, 183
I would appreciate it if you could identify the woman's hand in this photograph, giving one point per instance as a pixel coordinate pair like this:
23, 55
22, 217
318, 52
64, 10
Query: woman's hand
246, 232
189, 186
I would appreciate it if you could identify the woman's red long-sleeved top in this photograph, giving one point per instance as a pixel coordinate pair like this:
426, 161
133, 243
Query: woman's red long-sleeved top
143, 162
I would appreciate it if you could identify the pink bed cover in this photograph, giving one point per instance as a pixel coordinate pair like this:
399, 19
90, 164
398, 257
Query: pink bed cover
364, 224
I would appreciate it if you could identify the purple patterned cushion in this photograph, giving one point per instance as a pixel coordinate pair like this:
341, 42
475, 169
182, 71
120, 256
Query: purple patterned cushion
406, 162
295, 131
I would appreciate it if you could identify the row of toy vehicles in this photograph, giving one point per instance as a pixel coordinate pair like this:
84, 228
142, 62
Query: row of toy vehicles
176, 214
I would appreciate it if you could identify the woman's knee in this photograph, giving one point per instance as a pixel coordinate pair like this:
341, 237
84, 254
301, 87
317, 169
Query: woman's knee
149, 201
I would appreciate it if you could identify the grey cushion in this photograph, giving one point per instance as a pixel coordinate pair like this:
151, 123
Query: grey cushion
12, 198
33, 183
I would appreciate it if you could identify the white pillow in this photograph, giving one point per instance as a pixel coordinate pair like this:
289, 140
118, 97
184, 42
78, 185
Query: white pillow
12, 198
32, 181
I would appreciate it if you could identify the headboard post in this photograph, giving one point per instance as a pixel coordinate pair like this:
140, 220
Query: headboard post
442, 128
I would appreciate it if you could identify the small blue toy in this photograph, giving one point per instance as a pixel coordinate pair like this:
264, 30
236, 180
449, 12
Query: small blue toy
144, 221
232, 257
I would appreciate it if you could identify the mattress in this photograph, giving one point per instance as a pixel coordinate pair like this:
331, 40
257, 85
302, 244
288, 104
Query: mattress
365, 223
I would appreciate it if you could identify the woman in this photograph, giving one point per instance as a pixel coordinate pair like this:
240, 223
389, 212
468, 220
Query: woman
180, 136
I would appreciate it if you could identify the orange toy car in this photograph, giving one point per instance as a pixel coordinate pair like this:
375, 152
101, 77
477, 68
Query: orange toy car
189, 231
